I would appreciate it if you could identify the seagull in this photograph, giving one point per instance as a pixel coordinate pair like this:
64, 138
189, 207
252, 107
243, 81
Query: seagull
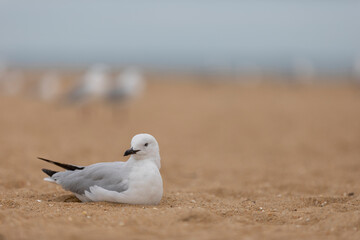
92, 86
128, 85
136, 181
49, 85
13, 83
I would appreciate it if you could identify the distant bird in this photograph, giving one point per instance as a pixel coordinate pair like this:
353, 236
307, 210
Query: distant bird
49, 86
304, 70
12, 82
92, 86
128, 85
137, 181
3, 70
356, 69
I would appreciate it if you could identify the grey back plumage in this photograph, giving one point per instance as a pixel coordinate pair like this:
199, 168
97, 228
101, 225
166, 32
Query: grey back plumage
109, 175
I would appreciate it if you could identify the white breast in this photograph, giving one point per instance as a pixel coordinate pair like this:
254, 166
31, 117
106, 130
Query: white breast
145, 184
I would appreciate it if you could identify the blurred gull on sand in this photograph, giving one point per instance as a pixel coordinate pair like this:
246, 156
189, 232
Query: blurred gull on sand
129, 85
49, 86
12, 82
92, 86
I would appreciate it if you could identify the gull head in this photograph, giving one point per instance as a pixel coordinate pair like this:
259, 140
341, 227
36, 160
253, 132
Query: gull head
144, 146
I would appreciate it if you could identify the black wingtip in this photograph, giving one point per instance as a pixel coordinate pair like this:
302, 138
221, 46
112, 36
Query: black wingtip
44, 159
63, 165
48, 172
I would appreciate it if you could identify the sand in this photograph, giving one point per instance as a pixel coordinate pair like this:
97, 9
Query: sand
239, 161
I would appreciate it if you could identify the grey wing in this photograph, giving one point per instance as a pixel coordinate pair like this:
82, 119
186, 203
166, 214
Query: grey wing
115, 95
76, 94
110, 176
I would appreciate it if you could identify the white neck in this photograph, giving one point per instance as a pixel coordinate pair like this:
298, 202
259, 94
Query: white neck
137, 159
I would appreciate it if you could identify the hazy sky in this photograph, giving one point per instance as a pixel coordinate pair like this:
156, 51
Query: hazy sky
179, 32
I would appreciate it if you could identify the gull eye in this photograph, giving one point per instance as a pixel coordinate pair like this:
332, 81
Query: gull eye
146, 144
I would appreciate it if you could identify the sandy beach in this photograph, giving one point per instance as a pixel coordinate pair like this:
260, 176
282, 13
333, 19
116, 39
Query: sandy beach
239, 161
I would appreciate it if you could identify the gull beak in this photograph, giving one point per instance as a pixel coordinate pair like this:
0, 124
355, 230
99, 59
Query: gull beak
130, 151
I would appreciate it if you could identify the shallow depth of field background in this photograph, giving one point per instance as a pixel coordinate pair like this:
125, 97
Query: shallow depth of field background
255, 105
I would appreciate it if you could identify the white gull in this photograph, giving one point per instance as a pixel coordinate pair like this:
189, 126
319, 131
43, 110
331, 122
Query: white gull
136, 181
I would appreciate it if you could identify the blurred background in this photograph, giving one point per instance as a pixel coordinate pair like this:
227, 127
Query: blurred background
220, 71
168, 63
254, 100
81, 52
205, 36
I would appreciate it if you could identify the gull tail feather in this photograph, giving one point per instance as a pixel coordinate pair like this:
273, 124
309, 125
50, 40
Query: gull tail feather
48, 172
49, 180
63, 165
